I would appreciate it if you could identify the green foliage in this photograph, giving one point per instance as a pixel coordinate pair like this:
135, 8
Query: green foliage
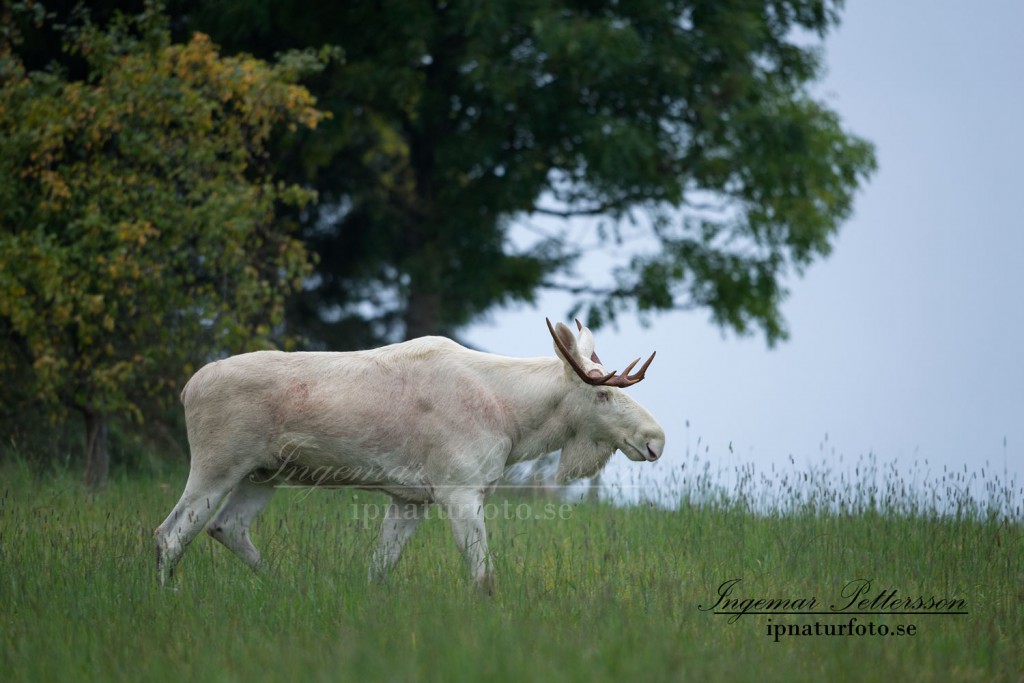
137, 212
689, 122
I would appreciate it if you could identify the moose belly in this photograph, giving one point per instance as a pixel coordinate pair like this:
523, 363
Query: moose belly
297, 459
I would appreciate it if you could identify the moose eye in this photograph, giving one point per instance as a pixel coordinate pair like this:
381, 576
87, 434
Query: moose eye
603, 396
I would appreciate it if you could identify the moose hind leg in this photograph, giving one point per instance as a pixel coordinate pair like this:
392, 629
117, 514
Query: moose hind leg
230, 526
197, 505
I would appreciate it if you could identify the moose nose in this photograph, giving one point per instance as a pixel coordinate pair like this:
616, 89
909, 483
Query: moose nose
654, 449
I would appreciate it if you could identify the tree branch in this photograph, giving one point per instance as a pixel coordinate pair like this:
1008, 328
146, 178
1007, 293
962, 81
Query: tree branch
591, 211
584, 289
690, 304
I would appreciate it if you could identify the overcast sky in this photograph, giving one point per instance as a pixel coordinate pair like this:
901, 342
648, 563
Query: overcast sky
907, 342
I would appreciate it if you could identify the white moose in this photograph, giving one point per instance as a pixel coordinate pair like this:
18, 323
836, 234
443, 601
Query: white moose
426, 421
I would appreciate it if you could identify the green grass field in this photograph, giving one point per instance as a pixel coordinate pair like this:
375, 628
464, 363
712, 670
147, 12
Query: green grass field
587, 592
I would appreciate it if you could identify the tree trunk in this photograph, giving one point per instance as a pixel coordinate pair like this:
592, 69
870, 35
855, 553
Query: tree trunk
97, 449
422, 313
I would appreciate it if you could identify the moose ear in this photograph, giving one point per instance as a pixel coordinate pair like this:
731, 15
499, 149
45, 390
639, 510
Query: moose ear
585, 346
567, 338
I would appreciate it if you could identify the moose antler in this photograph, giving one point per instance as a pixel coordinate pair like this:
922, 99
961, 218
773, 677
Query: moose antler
612, 379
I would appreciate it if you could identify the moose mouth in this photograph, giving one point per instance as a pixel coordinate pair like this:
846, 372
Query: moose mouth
649, 452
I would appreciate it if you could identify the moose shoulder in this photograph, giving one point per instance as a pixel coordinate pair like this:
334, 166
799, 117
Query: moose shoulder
427, 421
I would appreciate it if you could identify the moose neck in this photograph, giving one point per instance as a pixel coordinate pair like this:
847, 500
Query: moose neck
539, 399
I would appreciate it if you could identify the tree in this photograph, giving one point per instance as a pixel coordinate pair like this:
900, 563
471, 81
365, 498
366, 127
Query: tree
137, 215
689, 121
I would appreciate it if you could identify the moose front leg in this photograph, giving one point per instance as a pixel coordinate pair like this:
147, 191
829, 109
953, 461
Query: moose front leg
400, 521
465, 509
